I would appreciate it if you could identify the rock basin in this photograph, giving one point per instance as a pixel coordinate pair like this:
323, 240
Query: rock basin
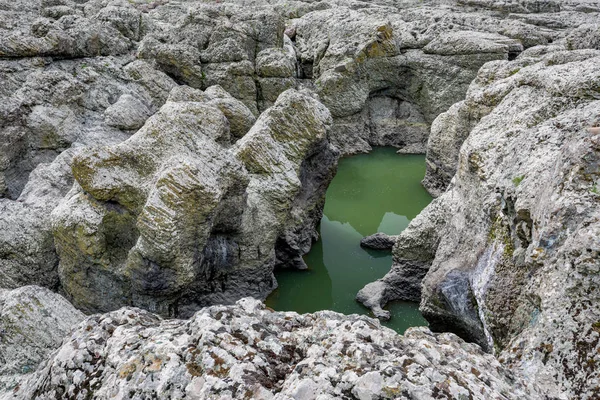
375, 192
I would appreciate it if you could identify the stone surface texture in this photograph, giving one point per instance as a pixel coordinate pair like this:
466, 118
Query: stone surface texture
33, 323
175, 217
510, 250
248, 352
169, 154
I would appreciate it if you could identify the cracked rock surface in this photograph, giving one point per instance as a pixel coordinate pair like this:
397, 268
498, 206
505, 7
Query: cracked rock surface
33, 323
509, 250
169, 154
247, 351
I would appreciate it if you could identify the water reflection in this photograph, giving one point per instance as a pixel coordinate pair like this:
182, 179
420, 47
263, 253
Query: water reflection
379, 192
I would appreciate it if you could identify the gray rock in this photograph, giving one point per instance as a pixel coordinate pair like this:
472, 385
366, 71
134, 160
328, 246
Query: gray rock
275, 62
136, 213
379, 241
239, 116
516, 230
246, 351
386, 71
33, 322
131, 230
128, 113
413, 252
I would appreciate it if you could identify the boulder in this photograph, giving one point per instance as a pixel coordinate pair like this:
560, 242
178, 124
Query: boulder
378, 241
246, 351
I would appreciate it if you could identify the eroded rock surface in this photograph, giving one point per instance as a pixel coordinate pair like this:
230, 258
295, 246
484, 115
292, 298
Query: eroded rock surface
33, 323
247, 351
379, 241
511, 261
174, 215
89, 73
136, 168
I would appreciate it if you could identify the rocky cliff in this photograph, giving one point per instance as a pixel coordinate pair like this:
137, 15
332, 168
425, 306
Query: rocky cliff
507, 252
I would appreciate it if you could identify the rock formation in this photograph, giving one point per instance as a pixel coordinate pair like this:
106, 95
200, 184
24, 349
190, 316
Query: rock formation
509, 249
174, 217
169, 154
247, 351
33, 323
379, 241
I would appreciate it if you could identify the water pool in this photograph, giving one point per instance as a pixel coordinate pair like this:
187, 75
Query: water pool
375, 192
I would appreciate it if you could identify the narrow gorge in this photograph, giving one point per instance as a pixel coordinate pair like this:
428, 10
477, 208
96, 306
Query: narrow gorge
235, 199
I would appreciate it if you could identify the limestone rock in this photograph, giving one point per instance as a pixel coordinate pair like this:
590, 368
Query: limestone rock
171, 219
246, 351
33, 322
273, 63
413, 252
291, 164
468, 42
512, 260
507, 140
379, 241
26, 242
145, 206
239, 116
127, 113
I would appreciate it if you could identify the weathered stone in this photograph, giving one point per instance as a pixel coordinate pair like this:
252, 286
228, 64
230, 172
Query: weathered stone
275, 63
198, 220
144, 208
511, 266
246, 351
379, 241
291, 164
133, 226
33, 323
127, 113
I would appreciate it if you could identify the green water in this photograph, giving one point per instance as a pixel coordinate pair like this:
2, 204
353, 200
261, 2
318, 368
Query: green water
376, 192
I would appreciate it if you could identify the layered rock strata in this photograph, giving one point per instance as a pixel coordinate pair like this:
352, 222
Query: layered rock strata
175, 217
136, 168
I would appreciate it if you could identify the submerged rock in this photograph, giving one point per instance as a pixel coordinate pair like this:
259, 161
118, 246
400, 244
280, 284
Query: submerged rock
247, 351
379, 241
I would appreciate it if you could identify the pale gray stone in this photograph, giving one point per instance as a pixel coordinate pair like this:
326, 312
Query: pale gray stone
246, 350
33, 323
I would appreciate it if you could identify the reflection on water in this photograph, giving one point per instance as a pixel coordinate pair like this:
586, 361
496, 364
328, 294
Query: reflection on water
378, 192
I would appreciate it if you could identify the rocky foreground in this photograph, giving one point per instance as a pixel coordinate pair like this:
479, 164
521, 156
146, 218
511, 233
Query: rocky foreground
165, 156
246, 351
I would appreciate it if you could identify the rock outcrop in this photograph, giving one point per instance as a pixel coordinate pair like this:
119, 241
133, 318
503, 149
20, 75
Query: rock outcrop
33, 323
174, 217
512, 245
50, 112
169, 154
246, 351
378, 241
88, 73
